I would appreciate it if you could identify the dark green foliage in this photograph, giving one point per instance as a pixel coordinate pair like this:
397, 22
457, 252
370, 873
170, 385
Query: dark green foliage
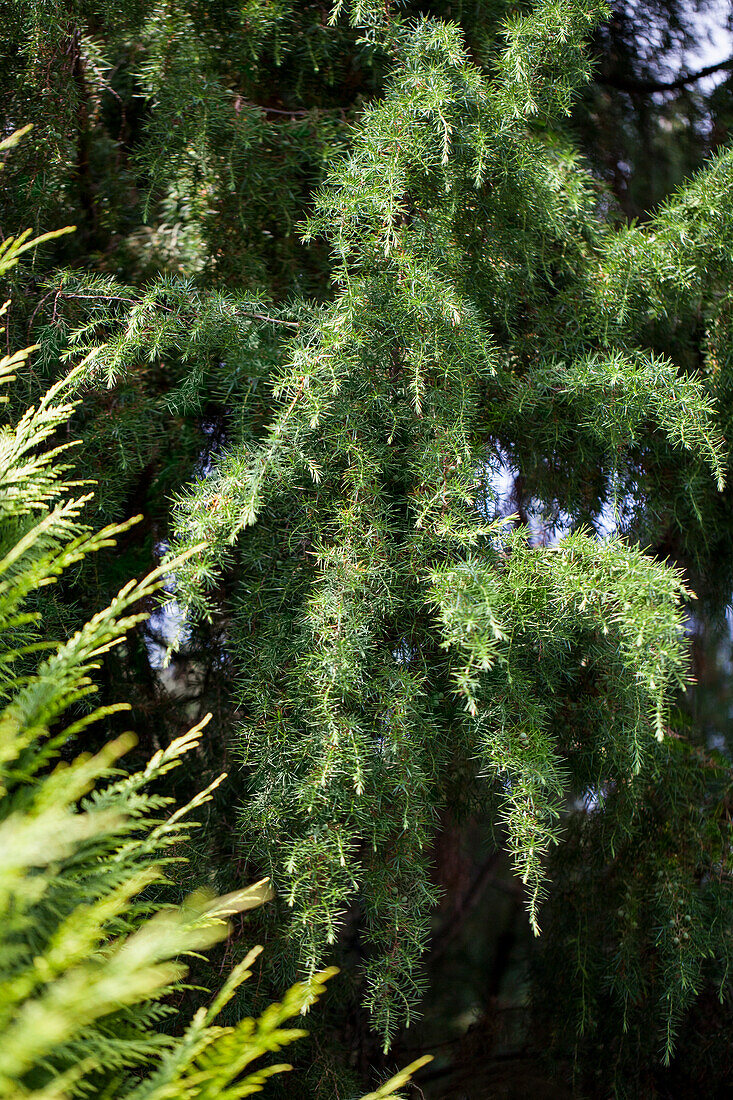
463, 245
352, 278
644, 876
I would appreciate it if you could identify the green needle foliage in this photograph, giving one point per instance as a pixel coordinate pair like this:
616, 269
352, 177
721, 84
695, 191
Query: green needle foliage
391, 634
374, 261
88, 960
481, 309
91, 961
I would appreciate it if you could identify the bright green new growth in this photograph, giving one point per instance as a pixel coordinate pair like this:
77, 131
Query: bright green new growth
88, 959
392, 637
531, 617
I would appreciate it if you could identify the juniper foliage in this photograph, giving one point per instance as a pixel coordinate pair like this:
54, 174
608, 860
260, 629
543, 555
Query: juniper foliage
462, 308
389, 627
91, 960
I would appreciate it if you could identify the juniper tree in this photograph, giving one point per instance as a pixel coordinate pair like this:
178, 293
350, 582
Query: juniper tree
399, 644
401, 649
89, 958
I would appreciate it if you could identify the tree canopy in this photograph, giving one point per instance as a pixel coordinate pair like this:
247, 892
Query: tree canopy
419, 377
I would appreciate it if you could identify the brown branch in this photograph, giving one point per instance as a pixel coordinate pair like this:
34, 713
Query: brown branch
106, 298
623, 84
266, 317
159, 305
